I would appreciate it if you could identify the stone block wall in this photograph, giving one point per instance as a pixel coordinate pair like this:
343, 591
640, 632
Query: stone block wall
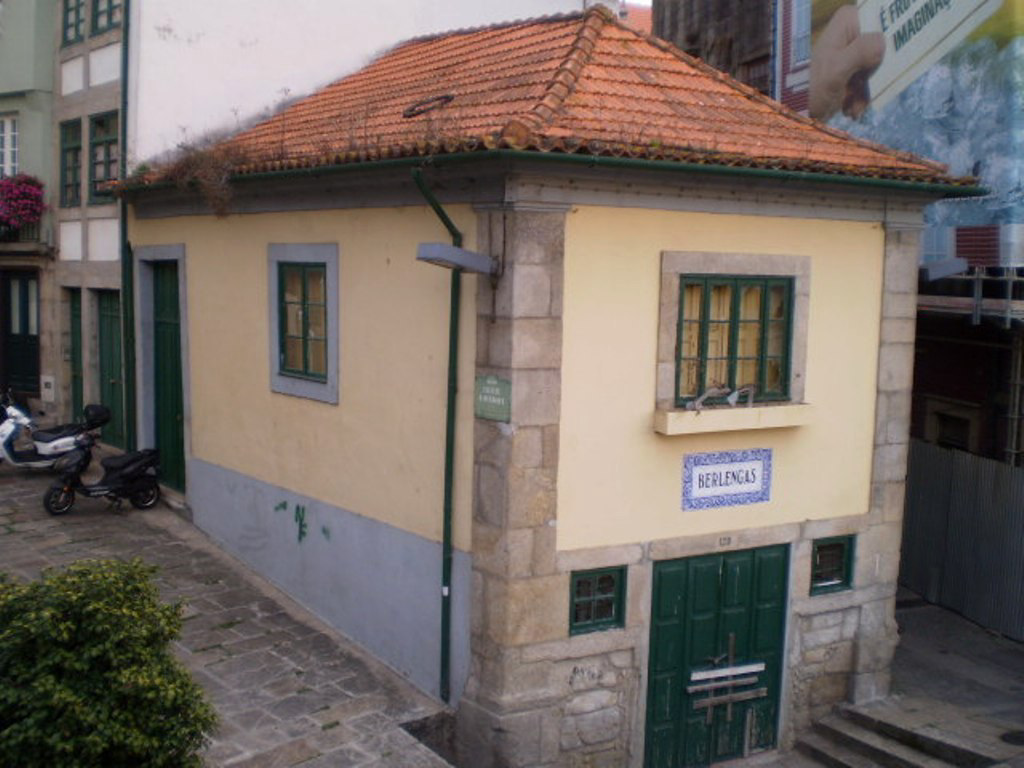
535, 696
538, 697
841, 645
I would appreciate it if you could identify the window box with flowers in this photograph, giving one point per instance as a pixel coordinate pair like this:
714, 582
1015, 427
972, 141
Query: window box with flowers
21, 208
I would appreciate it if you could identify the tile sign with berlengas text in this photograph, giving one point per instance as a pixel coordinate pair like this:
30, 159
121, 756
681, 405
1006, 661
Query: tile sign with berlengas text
727, 478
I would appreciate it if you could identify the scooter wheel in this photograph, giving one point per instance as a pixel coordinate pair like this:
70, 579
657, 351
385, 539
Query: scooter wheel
58, 499
145, 498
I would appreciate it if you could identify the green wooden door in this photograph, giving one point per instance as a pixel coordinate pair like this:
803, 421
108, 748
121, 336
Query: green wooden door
717, 631
75, 302
170, 421
20, 323
111, 384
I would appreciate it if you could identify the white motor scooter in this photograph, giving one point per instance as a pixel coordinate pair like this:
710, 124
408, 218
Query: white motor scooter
47, 444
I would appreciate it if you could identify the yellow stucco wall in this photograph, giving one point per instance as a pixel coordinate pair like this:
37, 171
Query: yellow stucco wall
380, 451
619, 481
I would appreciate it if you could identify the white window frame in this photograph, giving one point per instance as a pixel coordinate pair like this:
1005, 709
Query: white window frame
800, 28
8, 145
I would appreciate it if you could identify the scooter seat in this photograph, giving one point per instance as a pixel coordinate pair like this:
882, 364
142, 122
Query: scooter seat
121, 461
55, 433
118, 462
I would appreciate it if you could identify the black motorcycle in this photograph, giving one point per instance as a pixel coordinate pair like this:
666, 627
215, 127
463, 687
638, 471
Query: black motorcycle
131, 476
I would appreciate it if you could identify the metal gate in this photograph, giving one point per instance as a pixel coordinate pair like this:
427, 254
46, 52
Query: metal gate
963, 535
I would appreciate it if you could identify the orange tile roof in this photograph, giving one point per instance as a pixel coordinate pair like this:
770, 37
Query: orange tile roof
639, 17
581, 83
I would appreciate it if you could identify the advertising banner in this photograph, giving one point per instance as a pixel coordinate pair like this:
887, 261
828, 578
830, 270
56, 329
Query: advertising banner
917, 33
868, 52
943, 79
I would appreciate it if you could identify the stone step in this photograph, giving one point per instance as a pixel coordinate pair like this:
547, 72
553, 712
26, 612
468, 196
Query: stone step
943, 743
831, 754
796, 759
877, 747
773, 759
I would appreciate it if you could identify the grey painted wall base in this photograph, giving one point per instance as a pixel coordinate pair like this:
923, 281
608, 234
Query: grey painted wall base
379, 585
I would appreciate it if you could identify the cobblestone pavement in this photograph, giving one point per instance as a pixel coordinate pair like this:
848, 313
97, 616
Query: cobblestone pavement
287, 689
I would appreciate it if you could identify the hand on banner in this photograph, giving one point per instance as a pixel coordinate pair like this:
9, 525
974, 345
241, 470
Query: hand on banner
841, 62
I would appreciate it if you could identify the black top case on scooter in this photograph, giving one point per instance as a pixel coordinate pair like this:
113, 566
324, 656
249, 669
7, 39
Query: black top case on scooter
95, 416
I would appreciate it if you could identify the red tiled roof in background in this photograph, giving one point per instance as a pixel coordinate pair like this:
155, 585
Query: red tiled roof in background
639, 17
582, 83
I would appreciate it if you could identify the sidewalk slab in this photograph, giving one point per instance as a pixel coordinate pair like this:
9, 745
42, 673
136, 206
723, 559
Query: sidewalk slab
288, 689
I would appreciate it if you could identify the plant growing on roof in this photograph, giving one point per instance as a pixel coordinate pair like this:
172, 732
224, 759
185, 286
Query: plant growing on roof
208, 170
86, 675
21, 201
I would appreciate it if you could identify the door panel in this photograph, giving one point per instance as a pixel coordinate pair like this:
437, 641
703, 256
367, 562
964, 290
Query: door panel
75, 302
111, 386
170, 421
665, 681
20, 324
710, 615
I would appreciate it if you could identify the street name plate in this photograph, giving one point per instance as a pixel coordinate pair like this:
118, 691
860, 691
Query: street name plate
493, 398
727, 478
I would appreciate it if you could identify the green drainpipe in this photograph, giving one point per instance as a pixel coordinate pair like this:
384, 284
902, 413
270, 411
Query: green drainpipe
127, 266
449, 437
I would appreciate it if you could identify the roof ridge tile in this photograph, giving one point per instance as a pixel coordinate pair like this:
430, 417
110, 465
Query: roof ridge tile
519, 129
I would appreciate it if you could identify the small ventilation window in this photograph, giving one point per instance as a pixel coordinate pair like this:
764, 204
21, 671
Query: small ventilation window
832, 565
597, 600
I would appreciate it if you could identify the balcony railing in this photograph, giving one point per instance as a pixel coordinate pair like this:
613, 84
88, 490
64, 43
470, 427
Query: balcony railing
26, 234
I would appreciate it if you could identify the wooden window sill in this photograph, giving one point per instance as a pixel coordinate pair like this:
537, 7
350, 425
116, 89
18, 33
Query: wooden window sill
682, 422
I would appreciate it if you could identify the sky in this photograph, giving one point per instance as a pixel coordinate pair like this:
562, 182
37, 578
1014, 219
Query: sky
177, 101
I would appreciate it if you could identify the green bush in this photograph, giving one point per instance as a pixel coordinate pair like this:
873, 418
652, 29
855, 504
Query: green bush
87, 678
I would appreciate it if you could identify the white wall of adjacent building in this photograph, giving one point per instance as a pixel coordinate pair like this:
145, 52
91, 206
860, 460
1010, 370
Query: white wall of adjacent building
198, 67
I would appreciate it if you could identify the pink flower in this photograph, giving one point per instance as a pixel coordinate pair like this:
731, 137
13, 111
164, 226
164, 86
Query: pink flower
21, 201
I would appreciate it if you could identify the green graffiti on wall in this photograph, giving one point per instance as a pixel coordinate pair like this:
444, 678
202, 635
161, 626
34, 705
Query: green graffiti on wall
300, 519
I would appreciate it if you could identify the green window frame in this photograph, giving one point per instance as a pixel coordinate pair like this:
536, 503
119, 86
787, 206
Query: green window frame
106, 15
597, 600
734, 333
103, 155
73, 22
71, 163
302, 314
832, 564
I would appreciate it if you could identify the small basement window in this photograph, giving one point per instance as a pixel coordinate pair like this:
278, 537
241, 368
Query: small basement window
597, 600
832, 565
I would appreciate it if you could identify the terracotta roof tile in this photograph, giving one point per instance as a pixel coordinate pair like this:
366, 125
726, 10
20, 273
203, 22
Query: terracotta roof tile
583, 83
639, 17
